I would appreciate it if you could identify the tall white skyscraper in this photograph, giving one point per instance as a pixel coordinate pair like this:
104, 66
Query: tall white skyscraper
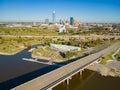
53, 17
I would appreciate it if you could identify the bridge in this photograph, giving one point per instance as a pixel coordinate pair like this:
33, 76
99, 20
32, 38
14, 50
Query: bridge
53, 78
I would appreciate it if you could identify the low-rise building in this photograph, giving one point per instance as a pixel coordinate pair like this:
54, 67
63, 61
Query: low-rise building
64, 47
62, 29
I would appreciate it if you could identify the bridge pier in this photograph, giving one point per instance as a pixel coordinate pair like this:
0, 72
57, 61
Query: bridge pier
70, 77
80, 74
67, 81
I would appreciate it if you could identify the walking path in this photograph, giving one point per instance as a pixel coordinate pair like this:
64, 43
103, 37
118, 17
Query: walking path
113, 55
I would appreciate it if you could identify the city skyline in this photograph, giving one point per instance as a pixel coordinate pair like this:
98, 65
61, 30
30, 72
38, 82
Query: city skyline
82, 10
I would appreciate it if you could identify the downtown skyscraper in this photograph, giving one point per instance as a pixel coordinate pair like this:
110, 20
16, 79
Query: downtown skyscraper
53, 17
71, 20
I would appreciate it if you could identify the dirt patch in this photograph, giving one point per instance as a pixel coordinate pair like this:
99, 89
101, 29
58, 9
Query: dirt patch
111, 68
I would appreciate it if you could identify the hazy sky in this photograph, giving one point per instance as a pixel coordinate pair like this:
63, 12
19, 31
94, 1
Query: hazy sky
82, 10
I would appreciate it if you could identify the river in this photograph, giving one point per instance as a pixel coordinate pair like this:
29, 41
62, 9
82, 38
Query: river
90, 81
15, 71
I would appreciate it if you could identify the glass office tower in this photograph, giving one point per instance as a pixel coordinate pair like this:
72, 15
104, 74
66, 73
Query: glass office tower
71, 20
53, 17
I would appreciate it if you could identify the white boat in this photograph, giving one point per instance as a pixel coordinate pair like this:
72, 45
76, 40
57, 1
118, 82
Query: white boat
31, 50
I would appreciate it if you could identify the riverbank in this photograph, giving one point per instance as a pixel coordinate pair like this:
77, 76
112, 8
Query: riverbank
12, 53
111, 68
3, 53
46, 53
47, 59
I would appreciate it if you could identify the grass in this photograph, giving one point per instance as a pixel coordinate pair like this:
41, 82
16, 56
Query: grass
29, 31
46, 52
114, 41
10, 45
118, 54
13, 44
10, 49
107, 57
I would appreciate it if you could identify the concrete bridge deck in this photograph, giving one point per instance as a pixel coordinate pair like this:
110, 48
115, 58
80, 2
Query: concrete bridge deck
51, 79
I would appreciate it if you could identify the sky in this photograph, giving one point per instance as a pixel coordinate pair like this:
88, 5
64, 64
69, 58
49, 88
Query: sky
106, 11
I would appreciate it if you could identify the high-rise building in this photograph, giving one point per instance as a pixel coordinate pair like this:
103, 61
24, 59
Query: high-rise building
53, 17
71, 20
46, 21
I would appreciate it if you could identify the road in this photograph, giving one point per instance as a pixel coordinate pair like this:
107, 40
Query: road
64, 36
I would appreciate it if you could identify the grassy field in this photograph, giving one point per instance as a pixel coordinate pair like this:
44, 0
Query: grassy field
13, 45
29, 31
16, 44
108, 57
118, 54
50, 31
46, 52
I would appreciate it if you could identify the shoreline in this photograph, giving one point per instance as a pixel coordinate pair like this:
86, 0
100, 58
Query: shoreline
3, 53
12, 53
47, 59
111, 68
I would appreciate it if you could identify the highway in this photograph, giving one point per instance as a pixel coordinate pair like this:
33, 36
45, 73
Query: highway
54, 77
63, 36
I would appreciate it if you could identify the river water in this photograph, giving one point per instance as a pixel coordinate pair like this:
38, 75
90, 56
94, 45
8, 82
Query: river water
90, 80
15, 71
13, 66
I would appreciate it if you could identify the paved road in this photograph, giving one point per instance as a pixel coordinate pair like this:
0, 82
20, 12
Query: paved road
47, 80
63, 36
